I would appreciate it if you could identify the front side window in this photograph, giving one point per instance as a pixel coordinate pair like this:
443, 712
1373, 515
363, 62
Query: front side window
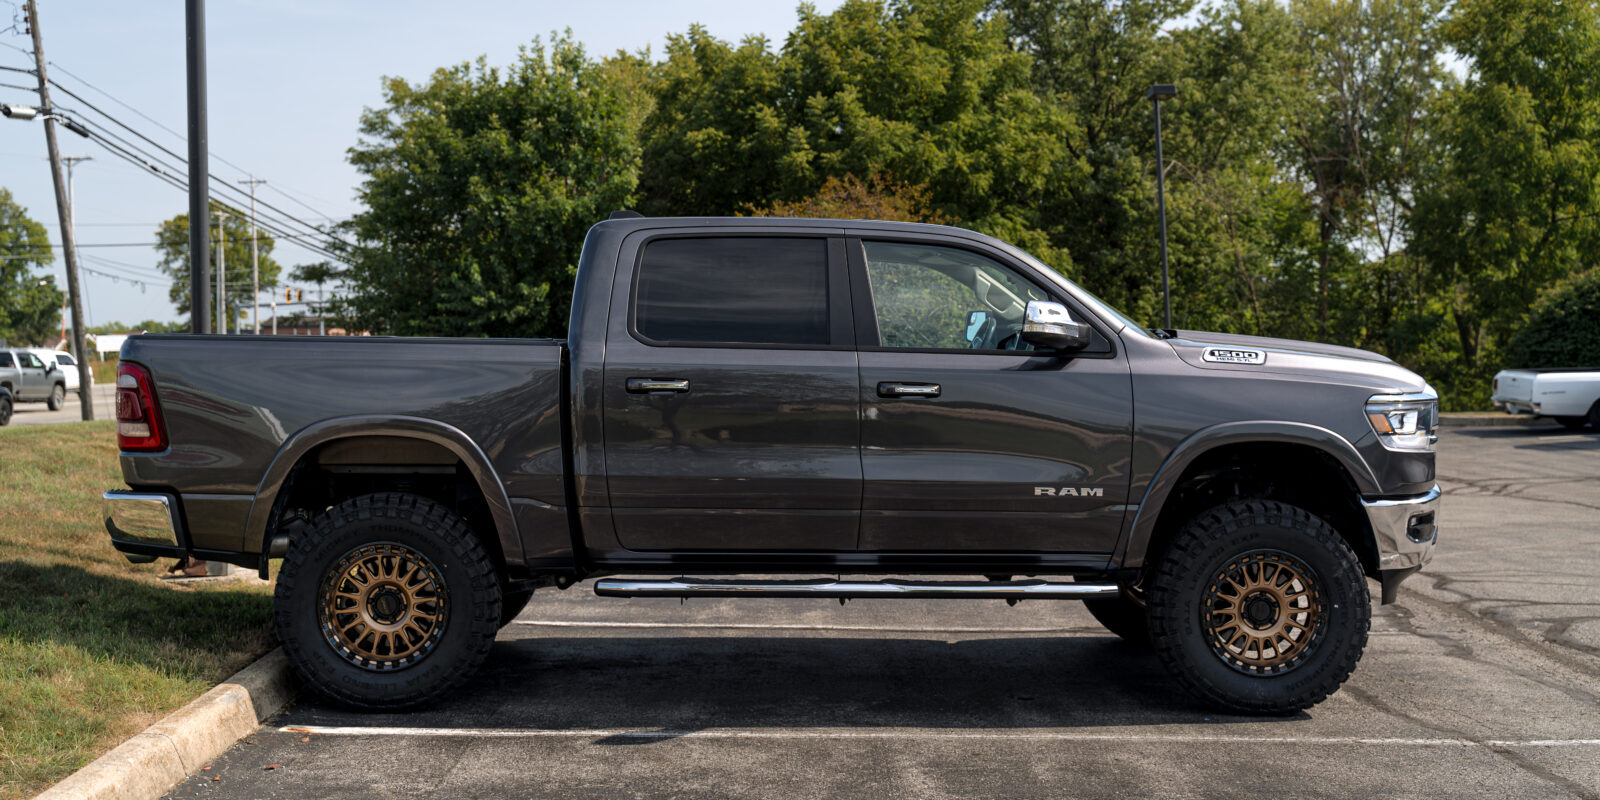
930, 297
734, 290
31, 361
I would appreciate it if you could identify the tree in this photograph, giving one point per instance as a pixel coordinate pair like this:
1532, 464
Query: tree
479, 185
172, 243
30, 304
1562, 329
1514, 204
849, 197
930, 93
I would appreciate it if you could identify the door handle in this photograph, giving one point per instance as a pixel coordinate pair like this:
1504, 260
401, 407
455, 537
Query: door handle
657, 385
888, 389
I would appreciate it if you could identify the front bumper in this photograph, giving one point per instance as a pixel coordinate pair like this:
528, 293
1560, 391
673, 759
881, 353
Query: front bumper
1406, 530
143, 526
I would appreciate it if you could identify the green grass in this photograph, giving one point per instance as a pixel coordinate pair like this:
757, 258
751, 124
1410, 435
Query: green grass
92, 648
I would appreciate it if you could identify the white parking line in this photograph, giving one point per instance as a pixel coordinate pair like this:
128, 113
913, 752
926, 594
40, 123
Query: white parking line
846, 733
719, 626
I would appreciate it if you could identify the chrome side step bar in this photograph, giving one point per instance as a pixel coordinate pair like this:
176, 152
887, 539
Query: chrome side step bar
829, 588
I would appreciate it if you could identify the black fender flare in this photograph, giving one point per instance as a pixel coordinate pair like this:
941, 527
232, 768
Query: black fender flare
265, 505
1141, 530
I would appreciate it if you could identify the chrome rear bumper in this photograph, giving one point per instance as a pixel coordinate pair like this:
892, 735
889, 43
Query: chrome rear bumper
143, 526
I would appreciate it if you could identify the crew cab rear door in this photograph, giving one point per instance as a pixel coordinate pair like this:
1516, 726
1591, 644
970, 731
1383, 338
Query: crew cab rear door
971, 440
732, 421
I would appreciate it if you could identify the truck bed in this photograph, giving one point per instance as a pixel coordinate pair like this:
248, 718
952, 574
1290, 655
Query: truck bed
232, 406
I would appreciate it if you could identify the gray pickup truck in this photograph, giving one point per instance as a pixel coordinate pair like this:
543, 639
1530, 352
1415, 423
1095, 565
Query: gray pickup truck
756, 402
26, 378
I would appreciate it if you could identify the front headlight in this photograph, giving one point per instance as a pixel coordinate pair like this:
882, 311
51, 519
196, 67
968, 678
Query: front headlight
1405, 421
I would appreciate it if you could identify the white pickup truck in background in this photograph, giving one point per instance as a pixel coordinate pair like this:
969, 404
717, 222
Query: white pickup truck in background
1570, 395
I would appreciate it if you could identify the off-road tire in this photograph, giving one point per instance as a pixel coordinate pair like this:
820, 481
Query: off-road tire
1573, 423
58, 397
511, 604
1210, 546
442, 541
1122, 616
5, 411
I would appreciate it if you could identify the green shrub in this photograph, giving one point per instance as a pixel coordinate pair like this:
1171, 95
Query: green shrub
1563, 329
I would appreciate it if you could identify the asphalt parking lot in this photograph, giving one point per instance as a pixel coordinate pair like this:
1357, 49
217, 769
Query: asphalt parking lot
1482, 681
105, 400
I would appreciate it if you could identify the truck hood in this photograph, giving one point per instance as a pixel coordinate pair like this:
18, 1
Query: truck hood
1345, 365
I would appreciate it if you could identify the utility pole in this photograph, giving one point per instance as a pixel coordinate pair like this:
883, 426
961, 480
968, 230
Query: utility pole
222, 272
255, 260
199, 168
69, 238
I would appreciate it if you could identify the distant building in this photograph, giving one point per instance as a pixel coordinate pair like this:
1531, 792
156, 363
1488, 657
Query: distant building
306, 325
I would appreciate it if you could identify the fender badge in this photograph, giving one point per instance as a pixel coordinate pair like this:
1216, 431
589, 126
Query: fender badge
1233, 355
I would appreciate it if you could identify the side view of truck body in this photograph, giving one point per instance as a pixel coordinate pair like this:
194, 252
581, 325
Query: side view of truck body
777, 398
1569, 395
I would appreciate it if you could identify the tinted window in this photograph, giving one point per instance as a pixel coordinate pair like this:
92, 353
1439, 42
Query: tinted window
67, 360
5, 360
942, 298
748, 290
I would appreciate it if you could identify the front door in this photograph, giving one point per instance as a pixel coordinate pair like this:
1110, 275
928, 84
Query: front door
972, 441
731, 417
36, 385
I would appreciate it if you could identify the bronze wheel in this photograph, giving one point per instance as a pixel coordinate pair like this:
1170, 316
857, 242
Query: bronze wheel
1262, 612
383, 606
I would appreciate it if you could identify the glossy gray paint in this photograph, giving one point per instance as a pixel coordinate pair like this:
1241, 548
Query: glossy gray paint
778, 459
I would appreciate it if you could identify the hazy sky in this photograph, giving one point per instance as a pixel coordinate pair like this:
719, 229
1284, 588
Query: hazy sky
288, 80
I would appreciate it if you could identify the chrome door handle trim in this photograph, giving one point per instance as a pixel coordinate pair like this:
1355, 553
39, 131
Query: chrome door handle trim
891, 389
654, 385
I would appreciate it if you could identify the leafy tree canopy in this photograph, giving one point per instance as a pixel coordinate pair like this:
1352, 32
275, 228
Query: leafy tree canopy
230, 241
479, 184
30, 303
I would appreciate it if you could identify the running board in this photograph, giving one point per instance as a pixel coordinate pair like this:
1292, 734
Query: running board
829, 588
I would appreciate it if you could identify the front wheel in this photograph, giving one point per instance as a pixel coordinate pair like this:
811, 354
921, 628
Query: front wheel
387, 601
1259, 607
5, 411
58, 397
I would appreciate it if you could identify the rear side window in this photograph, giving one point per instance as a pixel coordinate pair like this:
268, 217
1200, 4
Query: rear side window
66, 360
734, 290
5, 360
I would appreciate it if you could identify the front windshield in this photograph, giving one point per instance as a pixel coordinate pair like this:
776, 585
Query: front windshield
1099, 306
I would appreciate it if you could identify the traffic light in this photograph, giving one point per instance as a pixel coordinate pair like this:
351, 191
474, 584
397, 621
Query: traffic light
288, 295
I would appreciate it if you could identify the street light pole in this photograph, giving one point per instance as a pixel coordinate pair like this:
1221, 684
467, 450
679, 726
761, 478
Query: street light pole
199, 168
1157, 93
69, 238
255, 260
222, 272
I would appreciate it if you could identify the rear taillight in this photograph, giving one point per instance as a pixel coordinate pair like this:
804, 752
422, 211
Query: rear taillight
138, 417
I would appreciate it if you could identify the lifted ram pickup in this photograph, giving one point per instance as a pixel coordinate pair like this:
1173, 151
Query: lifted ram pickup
786, 398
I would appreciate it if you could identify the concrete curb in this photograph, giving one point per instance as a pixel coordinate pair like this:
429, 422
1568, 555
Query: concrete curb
151, 763
1489, 419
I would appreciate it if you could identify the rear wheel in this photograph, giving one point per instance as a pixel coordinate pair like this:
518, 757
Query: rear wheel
58, 397
1259, 607
387, 601
5, 411
1594, 415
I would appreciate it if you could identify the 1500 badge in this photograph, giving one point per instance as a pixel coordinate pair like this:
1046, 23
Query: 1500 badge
1233, 355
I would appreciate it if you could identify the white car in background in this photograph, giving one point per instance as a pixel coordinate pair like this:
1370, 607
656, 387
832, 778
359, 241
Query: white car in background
65, 362
1571, 395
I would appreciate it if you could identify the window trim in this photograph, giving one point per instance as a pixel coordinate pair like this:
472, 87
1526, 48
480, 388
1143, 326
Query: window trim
841, 317
867, 314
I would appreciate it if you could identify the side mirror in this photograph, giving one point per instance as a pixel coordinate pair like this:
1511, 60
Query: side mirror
1048, 326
